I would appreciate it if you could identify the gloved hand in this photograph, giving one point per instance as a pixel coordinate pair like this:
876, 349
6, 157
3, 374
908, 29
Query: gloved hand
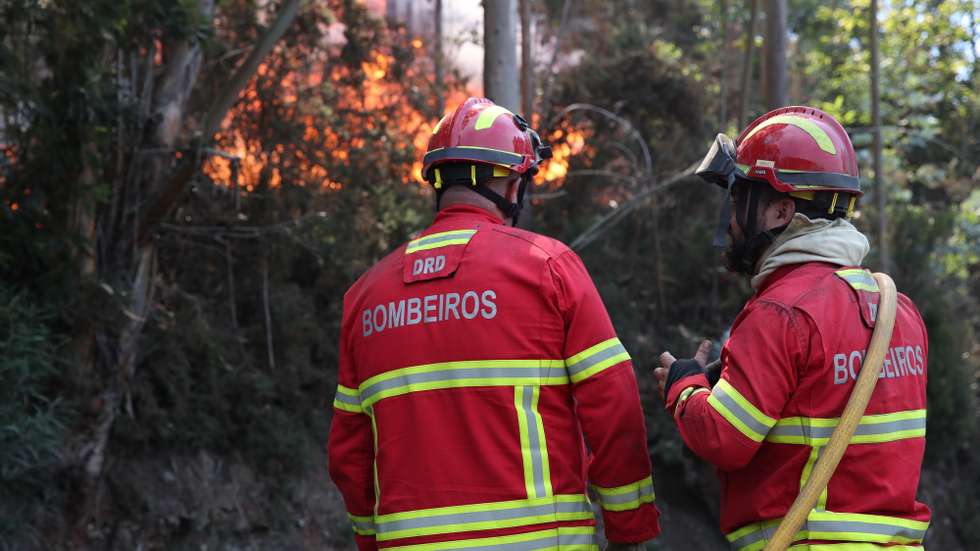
613, 546
673, 370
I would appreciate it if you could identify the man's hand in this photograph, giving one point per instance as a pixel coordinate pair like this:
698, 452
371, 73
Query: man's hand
613, 546
689, 366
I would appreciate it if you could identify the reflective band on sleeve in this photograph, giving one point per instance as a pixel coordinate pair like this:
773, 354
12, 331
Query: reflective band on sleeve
363, 526
628, 497
829, 526
860, 279
565, 538
441, 239
483, 516
462, 374
872, 429
738, 411
592, 360
347, 399
534, 448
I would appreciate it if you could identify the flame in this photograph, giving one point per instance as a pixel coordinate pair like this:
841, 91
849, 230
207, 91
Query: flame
371, 100
565, 141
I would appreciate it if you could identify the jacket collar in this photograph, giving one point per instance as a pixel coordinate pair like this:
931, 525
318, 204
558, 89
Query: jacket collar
465, 212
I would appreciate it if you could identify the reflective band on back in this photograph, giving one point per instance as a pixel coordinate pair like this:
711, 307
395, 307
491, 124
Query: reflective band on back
347, 399
627, 497
862, 280
887, 427
537, 472
571, 538
738, 411
363, 526
595, 359
463, 374
826, 525
442, 239
449, 520
818, 134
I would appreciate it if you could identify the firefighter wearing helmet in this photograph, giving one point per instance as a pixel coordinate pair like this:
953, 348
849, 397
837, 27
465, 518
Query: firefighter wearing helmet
794, 351
477, 367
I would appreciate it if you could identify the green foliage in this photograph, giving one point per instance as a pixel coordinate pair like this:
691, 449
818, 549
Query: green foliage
32, 424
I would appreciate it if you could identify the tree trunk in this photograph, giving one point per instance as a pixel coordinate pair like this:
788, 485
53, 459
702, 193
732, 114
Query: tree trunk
500, 77
723, 60
743, 97
438, 60
880, 203
777, 88
527, 64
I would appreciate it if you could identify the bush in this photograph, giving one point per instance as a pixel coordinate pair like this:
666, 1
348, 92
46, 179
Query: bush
32, 425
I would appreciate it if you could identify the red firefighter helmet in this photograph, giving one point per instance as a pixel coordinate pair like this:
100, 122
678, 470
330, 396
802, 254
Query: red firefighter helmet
798, 149
480, 132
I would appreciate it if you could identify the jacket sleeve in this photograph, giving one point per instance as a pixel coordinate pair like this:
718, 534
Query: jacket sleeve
726, 425
608, 406
350, 448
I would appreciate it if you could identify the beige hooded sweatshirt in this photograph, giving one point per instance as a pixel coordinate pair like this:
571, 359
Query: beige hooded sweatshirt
804, 240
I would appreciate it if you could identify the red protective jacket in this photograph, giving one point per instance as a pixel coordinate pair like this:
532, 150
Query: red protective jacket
472, 361
788, 369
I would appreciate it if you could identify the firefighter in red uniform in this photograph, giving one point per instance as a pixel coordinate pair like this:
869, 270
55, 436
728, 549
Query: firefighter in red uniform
795, 349
473, 361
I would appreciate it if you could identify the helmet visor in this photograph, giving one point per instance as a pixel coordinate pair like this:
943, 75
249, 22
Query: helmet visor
718, 166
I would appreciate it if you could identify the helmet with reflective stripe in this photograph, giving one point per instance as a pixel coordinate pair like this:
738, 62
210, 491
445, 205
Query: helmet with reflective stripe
798, 149
479, 131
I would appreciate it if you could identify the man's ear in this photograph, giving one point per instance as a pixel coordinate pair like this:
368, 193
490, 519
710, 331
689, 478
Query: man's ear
778, 212
785, 209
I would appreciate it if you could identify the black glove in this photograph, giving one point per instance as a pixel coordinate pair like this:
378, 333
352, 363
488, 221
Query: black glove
680, 369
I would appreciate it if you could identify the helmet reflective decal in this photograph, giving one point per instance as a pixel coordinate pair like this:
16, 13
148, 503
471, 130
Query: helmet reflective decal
489, 115
807, 125
439, 124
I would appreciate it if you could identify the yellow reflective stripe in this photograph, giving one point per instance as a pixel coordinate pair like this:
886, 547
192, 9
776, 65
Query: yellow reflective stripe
374, 462
805, 475
347, 399
872, 429
596, 358
851, 546
441, 239
626, 497
826, 525
363, 526
859, 278
534, 447
462, 374
818, 134
482, 516
489, 115
565, 538
542, 444
526, 460
738, 411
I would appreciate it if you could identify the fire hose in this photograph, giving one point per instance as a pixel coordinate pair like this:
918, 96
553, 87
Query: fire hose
853, 411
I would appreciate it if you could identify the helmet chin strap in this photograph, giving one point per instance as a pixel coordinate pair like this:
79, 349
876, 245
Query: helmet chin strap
508, 209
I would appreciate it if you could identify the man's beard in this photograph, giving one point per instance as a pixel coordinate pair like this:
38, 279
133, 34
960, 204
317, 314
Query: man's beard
738, 256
